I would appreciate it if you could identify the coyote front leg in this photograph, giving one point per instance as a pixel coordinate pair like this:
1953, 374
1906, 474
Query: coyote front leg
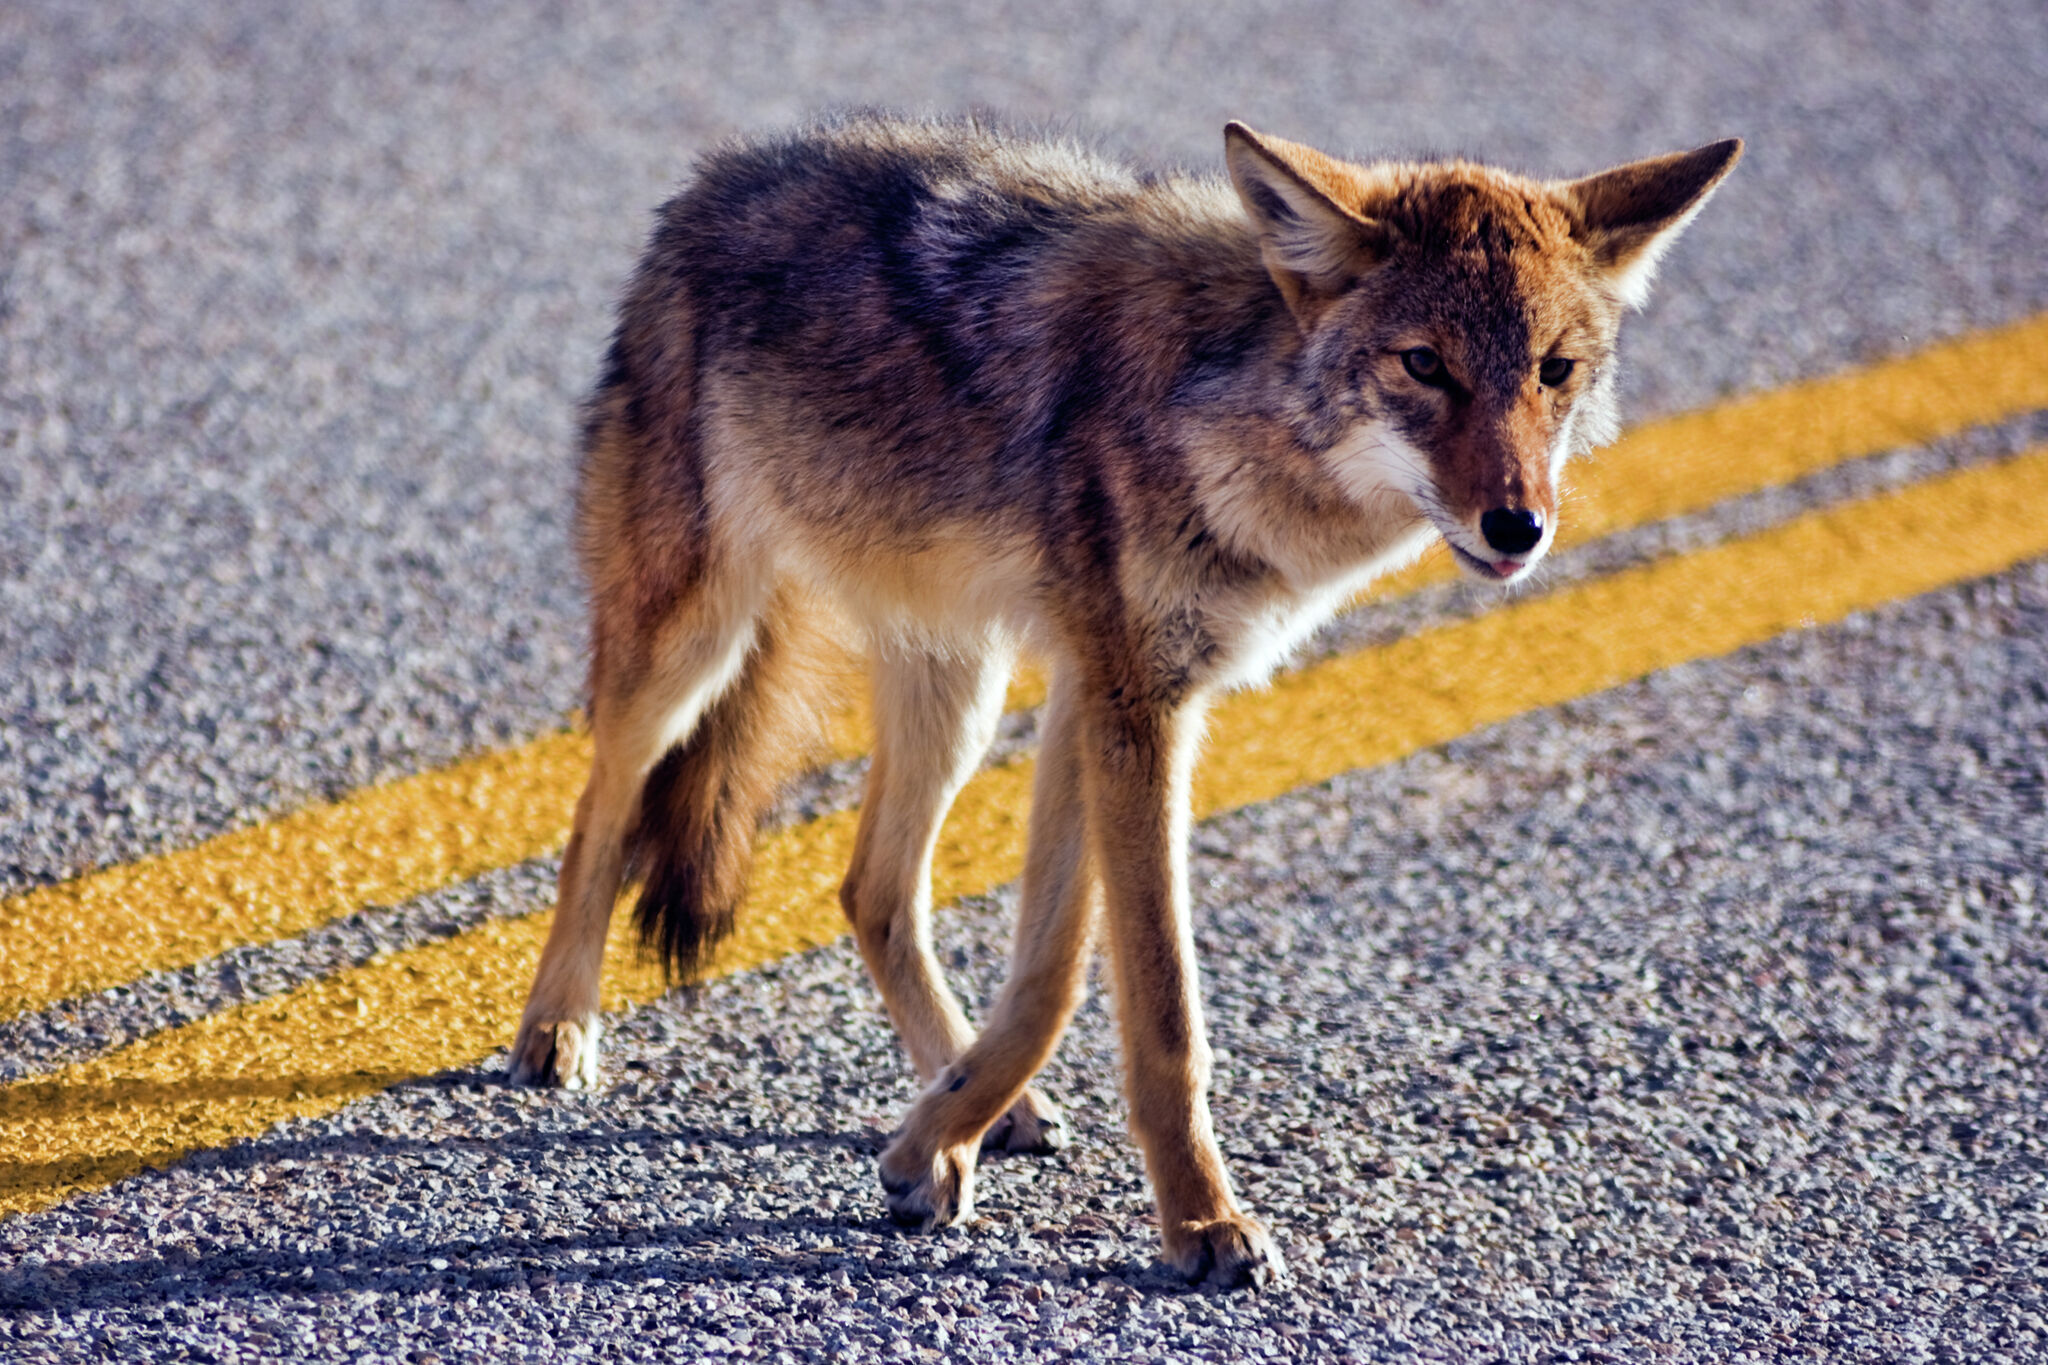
934, 716
981, 1099
1140, 761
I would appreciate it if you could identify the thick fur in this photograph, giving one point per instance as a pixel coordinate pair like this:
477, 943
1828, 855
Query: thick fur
943, 392
702, 803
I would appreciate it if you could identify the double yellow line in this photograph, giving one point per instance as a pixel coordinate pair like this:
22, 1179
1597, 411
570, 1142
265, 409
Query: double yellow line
449, 1003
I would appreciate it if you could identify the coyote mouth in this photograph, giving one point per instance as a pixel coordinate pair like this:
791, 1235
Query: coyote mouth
1492, 570
1489, 570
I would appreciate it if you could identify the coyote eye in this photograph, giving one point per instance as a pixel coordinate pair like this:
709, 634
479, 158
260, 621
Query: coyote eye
1555, 371
1425, 366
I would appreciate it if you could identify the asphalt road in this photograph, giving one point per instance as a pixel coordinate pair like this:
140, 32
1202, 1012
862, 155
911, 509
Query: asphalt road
1694, 1018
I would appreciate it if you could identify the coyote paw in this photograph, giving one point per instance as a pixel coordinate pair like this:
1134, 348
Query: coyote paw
559, 1052
1032, 1126
928, 1192
1229, 1252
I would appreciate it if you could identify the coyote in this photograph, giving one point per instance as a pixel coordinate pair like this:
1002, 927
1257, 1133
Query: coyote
941, 392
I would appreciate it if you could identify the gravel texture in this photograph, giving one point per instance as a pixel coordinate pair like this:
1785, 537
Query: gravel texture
1699, 1020
295, 304
87, 1025
77, 1028
1747, 515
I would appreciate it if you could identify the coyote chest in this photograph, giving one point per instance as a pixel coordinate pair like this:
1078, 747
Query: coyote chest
934, 391
1213, 619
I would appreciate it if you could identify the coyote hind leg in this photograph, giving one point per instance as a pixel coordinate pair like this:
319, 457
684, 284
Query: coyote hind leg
647, 695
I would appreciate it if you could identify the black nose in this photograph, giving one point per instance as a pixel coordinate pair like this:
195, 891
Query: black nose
1511, 530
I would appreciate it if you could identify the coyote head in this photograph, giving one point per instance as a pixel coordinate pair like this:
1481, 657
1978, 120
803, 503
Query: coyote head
1459, 322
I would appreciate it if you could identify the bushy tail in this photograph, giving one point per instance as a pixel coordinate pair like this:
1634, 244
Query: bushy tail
694, 843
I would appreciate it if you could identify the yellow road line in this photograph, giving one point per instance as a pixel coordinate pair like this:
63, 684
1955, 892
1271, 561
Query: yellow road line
378, 847
405, 838
447, 1004
1368, 708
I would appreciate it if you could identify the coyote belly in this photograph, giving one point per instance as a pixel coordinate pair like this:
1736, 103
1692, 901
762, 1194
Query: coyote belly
940, 393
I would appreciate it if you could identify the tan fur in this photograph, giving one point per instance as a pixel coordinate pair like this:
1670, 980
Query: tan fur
940, 392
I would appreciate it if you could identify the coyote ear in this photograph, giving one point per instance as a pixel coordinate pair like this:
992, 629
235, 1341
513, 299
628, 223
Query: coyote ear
1312, 245
1629, 216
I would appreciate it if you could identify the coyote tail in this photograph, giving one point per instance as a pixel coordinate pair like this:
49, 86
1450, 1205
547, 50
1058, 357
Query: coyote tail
693, 845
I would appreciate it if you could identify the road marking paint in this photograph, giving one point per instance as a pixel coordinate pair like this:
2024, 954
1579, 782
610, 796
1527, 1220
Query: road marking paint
402, 839
379, 846
449, 1003
1367, 708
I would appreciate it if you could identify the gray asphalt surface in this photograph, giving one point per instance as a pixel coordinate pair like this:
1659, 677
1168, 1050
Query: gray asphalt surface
296, 307
1700, 1020
1690, 1020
